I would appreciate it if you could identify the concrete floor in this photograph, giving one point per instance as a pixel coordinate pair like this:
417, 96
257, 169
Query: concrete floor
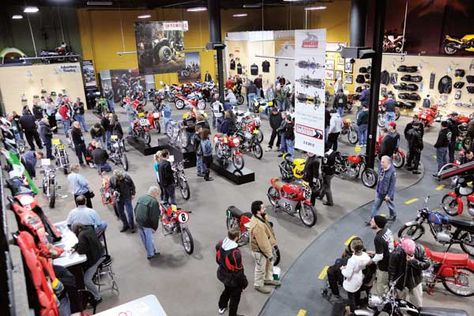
187, 285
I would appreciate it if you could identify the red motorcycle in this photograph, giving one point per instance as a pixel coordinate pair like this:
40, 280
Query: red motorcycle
193, 100
428, 115
353, 166
454, 270
228, 148
294, 199
251, 124
398, 158
453, 203
153, 118
174, 221
141, 128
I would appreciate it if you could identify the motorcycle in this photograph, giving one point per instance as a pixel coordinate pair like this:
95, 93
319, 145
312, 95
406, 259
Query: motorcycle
237, 218
452, 269
452, 203
228, 148
141, 128
294, 199
48, 182
174, 221
398, 158
180, 180
441, 228
452, 45
153, 118
392, 43
61, 156
428, 115
249, 123
62, 53
249, 143
381, 116
194, 100
177, 133
260, 105
349, 128
292, 168
353, 166
117, 152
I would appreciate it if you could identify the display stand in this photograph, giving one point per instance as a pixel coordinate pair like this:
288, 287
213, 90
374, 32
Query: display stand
245, 175
145, 149
188, 155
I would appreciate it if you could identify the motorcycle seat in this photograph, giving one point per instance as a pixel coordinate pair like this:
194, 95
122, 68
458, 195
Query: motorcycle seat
277, 183
236, 212
467, 225
438, 311
448, 257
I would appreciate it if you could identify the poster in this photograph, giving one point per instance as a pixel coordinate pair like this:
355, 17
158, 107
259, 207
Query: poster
160, 46
89, 74
192, 70
118, 83
309, 91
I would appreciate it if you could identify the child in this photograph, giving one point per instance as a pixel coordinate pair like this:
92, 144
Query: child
206, 149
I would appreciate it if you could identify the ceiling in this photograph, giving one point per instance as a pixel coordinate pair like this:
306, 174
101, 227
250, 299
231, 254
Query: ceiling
150, 4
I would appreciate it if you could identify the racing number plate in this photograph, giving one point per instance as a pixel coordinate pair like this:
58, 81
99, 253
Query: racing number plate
183, 217
143, 122
55, 141
60, 146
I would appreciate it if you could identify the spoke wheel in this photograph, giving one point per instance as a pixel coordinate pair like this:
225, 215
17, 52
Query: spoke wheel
413, 231
467, 243
125, 162
307, 215
461, 283
369, 178
147, 138
238, 161
179, 104
352, 136
398, 160
450, 205
273, 196
187, 240
184, 188
257, 151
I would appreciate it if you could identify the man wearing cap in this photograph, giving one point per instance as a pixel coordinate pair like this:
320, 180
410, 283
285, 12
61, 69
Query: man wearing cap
124, 188
441, 145
405, 267
414, 132
453, 127
385, 190
384, 245
390, 142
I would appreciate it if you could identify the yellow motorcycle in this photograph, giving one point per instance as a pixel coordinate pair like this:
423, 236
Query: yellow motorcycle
291, 169
452, 45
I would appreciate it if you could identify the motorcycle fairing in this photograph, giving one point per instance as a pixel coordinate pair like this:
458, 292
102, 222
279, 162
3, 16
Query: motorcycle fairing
463, 170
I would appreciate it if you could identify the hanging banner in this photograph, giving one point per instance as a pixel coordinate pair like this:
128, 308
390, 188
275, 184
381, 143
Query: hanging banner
310, 52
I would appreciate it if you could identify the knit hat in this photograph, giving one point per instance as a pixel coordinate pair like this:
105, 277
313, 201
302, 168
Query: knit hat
392, 124
380, 221
408, 245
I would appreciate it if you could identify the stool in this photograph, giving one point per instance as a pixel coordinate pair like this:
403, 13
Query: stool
105, 271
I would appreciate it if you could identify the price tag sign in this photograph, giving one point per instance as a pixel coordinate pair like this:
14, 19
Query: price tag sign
357, 149
55, 141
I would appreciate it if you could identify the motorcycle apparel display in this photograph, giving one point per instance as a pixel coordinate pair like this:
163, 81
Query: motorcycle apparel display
407, 105
459, 85
360, 79
363, 70
470, 79
411, 78
445, 85
459, 73
403, 68
232, 64
470, 89
409, 96
393, 78
457, 95
385, 77
254, 70
239, 68
406, 87
266, 66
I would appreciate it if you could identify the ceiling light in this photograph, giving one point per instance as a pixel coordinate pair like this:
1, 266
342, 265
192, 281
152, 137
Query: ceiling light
292, 0
31, 10
252, 6
196, 9
99, 2
17, 17
144, 16
239, 15
315, 8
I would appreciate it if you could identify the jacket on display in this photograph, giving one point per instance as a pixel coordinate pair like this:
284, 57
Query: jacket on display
360, 79
254, 70
445, 85
459, 73
232, 64
411, 69
470, 79
470, 89
409, 273
406, 86
239, 68
266, 66
363, 70
407, 105
411, 78
385, 77
459, 85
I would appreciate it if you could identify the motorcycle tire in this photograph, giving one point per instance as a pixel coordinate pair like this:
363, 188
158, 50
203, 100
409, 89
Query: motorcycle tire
260, 137
452, 283
201, 105
165, 54
307, 214
123, 146
369, 177
124, 162
147, 138
184, 188
238, 162
449, 49
240, 99
179, 104
187, 240
352, 136
413, 231
467, 243
398, 160
257, 151
273, 196
52, 195
66, 170
450, 205
276, 256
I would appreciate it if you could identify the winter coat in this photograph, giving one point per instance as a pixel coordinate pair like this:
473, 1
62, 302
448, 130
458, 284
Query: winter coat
262, 238
311, 169
386, 182
275, 120
147, 212
353, 272
410, 273
289, 131
340, 100
389, 144
231, 269
414, 133
166, 173
125, 187
45, 132
28, 123
443, 138
77, 137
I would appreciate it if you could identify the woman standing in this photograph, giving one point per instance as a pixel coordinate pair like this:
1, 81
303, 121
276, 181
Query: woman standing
156, 166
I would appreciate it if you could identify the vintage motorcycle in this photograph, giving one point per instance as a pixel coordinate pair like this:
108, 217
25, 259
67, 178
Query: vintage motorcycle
193, 100
153, 118
237, 218
49, 183
174, 221
294, 199
428, 115
177, 133
453, 204
349, 128
392, 43
292, 168
117, 152
353, 166
249, 123
452, 45
61, 156
441, 228
228, 148
398, 158
249, 143
180, 179
141, 128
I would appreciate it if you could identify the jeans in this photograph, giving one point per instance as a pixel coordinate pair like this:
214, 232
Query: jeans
216, 121
378, 203
107, 139
415, 295
125, 210
105, 167
146, 235
250, 98
81, 120
230, 295
290, 147
263, 269
274, 135
80, 151
362, 134
326, 190
199, 165
33, 137
441, 156
451, 150
340, 110
413, 159
111, 105
282, 143
389, 117
67, 126
89, 275
49, 151
170, 196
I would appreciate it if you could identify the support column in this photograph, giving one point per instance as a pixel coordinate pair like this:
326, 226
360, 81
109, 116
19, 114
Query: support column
380, 8
358, 22
214, 12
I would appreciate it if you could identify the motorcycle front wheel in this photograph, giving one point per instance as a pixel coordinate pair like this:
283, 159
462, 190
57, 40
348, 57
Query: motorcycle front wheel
307, 215
398, 160
369, 177
238, 161
179, 104
257, 151
276, 256
158, 126
147, 138
184, 188
450, 205
124, 161
467, 243
187, 240
52, 195
260, 136
461, 283
381, 120
273, 196
449, 49
352, 136
240, 99
414, 231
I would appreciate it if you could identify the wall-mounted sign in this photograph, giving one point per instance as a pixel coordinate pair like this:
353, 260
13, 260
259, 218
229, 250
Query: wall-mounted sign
68, 68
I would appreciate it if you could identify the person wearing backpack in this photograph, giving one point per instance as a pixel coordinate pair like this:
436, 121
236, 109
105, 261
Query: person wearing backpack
206, 152
230, 272
414, 132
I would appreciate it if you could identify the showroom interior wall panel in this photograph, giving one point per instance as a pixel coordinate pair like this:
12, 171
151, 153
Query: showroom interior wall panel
29, 80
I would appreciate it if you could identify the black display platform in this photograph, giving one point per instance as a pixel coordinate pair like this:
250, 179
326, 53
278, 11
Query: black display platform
245, 175
187, 155
146, 150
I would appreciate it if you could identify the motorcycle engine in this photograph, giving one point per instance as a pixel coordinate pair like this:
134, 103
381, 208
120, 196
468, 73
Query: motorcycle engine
428, 275
442, 235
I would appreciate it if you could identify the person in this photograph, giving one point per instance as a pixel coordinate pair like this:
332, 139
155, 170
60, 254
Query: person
14, 119
98, 133
124, 188
340, 102
65, 113
46, 136
390, 141
166, 114
78, 109
230, 272
385, 190
79, 185
335, 127
275, 119
251, 93
259, 84
281, 131
51, 114
262, 243
100, 157
390, 105
311, 174
227, 126
105, 122
196, 141
328, 169
230, 100
28, 124
453, 127
29, 159
384, 245
109, 96
147, 215
365, 97
86, 216
156, 168
405, 267
441, 145
78, 141
201, 121
88, 244
167, 178
270, 93
217, 112
353, 273
116, 127
414, 132
362, 124
467, 157
37, 111
327, 120
206, 149
290, 135
207, 76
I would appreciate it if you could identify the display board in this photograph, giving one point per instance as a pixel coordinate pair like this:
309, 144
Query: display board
192, 70
89, 74
160, 46
310, 52
118, 83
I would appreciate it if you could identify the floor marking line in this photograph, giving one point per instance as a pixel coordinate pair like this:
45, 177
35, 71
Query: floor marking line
301, 312
440, 187
411, 201
324, 273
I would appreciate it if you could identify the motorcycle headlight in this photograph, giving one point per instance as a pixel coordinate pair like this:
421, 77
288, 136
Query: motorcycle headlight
156, 115
375, 300
236, 142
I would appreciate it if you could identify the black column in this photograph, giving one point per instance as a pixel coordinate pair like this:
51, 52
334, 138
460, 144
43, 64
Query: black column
380, 8
358, 22
214, 12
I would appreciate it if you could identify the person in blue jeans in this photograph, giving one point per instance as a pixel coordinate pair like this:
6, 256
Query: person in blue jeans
290, 136
390, 106
385, 190
124, 188
281, 132
362, 124
442, 144
167, 178
147, 214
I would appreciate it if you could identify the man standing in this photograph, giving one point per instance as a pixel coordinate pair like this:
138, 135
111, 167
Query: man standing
78, 141
385, 190
414, 132
335, 127
311, 174
30, 129
340, 102
147, 215
79, 185
79, 111
46, 136
390, 141
262, 242
251, 93
441, 145
230, 272
390, 105
123, 186
275, 122
259, 84
51, 114
65, 113
453, 127
362, 124
329, 169
100, 157
384, 245
217, 111
86, 216
207, 77
167, 178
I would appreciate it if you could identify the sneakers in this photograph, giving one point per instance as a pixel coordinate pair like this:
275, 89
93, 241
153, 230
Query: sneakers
222, 310
392, 218
268, 148
272, 282
124, 229
263, 289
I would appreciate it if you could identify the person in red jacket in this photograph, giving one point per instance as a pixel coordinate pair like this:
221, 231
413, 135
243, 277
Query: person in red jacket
65, 113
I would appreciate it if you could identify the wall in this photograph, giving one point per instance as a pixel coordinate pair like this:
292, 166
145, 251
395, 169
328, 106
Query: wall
29, 80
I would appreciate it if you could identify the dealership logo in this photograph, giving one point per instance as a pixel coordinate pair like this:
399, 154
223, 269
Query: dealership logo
308, 131
311, 41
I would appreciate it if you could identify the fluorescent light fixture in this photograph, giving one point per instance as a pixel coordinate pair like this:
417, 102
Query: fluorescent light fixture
31, 10
239, 15
17, 17
144, 16
292, 0
321, 7
105, 3
252, 6
196, 9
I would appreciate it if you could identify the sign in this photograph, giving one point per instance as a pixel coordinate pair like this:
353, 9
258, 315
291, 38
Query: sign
89, 73
68, 68
310, 48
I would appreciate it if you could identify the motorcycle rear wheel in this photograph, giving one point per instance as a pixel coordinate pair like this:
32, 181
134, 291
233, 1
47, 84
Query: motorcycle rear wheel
398, 160
187, 240
450, 205
257, 151
449, 49
369, 177
184, 188
147, 138
276, 256
52, 195
413, 231
467, 243
453, 284
273, 196
307, 214
260, 136
238, 162
352, 136
124, 161
240, 99
179, 104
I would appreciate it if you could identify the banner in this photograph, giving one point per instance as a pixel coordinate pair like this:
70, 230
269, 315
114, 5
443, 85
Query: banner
310, 52
89, 73
192, 71
160, 46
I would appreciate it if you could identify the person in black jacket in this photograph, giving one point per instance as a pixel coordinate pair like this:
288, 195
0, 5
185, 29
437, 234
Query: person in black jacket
46, 135
414, 132
167, 177
442, 144
311, 174
340, 102
124, 188
390, 142
230, 272
98, 132
228, 125
328, 169
38, 112
453, 127
28, 124
275, 122
106, 125
116, 127
100, 157
78, 141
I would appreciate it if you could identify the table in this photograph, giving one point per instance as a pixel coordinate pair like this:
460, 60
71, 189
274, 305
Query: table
144, 306
68, 240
